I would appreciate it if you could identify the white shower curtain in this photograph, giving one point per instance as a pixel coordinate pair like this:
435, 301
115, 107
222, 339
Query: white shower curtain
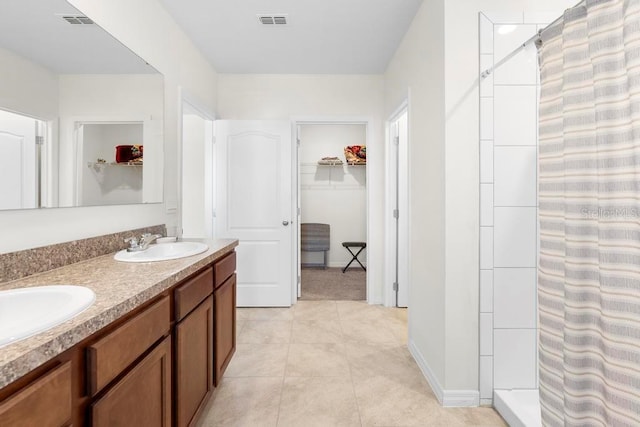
589, 212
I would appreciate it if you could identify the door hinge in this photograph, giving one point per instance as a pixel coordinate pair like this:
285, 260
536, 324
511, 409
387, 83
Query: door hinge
213, 139
396, 213
213, 213
395, 286
299, 211
39, 140
396, 140
298, 141
299, 280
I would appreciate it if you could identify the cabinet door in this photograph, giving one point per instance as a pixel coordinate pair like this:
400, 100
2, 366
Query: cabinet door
225, 323
194, 361
142, 397
45, 402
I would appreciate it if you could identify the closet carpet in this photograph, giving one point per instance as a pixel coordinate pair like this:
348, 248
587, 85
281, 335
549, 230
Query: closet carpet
333, 284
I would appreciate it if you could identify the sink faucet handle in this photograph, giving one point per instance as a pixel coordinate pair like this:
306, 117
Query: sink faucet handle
132, 241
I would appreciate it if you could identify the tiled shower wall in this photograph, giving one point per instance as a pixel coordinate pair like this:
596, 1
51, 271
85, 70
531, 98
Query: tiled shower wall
508, 209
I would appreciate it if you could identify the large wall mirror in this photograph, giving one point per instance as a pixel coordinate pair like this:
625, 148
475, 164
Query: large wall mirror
81, 116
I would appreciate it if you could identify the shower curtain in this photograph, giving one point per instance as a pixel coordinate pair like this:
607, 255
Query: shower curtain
589, 213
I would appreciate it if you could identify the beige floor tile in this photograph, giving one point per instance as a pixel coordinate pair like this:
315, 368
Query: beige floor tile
265, 331
485, 417
258, 360
316, 331
244, 402
450, 417
239, 326
385, 401
317, 360
320, 402
315, 310
271, 313
390, 360
359, 310
399, 314
371, 331
242, 313
399, 329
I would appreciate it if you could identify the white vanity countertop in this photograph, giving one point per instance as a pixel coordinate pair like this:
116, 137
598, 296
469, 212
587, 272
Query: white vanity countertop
120, 287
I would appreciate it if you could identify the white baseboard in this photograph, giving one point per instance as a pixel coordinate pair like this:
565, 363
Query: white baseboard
447, 398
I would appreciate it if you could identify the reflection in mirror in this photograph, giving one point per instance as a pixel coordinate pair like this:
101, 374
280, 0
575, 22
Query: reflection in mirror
80, 114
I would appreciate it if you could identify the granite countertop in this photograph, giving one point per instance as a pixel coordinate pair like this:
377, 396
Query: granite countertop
119, 286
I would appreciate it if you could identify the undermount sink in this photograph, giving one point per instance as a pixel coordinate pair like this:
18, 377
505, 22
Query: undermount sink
162, 252
27, 311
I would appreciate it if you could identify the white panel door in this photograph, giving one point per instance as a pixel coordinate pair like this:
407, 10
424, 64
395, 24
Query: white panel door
255, 205
17, 161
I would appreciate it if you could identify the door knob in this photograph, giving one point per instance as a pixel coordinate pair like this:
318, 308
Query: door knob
285, 223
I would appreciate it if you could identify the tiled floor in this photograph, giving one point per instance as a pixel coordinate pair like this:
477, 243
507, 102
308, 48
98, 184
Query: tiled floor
329, 363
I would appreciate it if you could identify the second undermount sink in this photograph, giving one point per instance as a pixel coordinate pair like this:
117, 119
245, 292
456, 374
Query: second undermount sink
27, 311
162, 252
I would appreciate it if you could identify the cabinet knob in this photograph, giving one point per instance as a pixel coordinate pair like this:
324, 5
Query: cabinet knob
285, 223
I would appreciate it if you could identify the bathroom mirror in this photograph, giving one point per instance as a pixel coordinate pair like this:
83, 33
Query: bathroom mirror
81, 115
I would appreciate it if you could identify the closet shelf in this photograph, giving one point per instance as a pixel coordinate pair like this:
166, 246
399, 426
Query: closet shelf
99, 164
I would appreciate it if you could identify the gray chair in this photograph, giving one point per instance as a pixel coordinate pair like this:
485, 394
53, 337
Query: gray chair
315, 238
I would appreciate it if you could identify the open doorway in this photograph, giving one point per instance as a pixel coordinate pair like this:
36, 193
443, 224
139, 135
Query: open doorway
332, 200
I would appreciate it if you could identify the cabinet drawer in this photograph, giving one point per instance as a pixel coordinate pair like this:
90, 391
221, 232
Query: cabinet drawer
192, 293
224, 268
112, 354
45, 402
142, 398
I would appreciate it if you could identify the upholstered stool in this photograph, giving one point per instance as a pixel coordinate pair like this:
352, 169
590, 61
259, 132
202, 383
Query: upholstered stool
350, 245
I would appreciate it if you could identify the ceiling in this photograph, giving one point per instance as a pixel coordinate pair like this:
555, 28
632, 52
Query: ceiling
321, 36
36, 30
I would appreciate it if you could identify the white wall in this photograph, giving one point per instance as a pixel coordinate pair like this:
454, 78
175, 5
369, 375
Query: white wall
282, 97
334, 195
193, 176
157, 39
417, 72
437, 65
27, 87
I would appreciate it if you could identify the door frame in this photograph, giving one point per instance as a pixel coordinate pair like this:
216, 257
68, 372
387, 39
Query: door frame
327, 120
175, 207
389, 220
74, 127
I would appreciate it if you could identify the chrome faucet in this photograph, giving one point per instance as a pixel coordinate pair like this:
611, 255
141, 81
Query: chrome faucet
140, 244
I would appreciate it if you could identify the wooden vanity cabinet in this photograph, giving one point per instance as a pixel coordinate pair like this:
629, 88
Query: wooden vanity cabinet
225, 324
129, 374
46, 402
224, 307
142, 398
193, 334
156, 366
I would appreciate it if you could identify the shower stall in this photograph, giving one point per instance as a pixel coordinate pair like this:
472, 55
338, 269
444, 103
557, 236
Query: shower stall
559, 223
508, 220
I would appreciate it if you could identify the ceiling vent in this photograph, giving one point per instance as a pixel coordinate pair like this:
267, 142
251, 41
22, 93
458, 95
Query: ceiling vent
77, 19
279, 19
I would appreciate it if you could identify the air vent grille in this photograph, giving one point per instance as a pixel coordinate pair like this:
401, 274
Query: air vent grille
279, 19
77, 19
